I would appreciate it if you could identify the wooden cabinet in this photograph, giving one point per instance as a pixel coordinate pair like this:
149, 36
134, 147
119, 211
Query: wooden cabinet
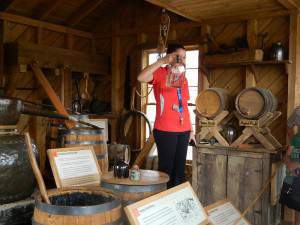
224, 172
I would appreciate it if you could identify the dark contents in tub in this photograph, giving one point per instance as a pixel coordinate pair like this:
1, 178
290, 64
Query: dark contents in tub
80, 199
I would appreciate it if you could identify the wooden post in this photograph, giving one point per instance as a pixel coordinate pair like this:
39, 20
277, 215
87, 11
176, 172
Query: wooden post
203, 76
69, 41
1, 53
50, 92
117, 86
66, 86
252, 43
294, 70
39, 36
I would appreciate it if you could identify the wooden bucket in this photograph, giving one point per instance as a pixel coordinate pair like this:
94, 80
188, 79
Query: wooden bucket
78, 206
254, 102
87, 136
212, 101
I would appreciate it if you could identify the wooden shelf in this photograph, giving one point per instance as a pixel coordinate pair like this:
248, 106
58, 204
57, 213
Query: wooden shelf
245, 63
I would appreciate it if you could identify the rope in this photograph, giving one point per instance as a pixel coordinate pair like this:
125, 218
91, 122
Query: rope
140, 95
163, 32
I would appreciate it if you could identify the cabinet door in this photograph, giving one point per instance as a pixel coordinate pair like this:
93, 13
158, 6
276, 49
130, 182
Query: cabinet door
244, 181
211, 173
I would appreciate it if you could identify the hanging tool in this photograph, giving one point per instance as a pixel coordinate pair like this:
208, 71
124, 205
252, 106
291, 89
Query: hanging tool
85, 94
164, 27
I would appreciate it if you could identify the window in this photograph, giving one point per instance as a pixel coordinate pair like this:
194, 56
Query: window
192, 66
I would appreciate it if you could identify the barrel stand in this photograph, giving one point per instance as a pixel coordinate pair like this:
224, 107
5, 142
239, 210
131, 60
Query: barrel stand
258, 128
211, 127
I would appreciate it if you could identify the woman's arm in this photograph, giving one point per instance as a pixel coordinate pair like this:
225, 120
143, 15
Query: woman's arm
146, 74
287, 160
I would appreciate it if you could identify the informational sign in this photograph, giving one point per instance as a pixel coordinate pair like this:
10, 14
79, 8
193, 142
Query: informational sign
75, 166
176, 206
224, 213
101, 123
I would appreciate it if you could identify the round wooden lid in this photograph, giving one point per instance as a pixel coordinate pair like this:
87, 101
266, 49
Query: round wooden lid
148, 177
251, 103
208, 103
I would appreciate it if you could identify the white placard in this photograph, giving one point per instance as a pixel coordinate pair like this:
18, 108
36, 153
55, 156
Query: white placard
224, 213
172, 207
101, 123
75, 164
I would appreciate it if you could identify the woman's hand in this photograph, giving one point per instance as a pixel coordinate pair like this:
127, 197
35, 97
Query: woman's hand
169, 58
192, 137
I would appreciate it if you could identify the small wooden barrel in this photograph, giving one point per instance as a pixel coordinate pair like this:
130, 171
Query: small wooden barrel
254, 102
212, 101
130, 191
77, 206
87, 136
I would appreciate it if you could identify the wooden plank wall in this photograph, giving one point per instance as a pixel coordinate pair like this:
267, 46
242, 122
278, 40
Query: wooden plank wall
31, 89
272, 77
137, 31
136, 19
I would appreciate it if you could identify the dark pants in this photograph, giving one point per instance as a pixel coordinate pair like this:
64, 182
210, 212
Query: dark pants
172, 148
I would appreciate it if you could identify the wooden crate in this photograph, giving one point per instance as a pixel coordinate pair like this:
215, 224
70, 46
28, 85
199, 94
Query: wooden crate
222, 172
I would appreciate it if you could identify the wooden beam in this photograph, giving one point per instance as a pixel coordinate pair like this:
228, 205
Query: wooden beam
51, 57
66, 86
44, 25
50, 92
289, 4
252, 33
294, 70
148, 29
173, 9
42, 14
84, 10
117, 99
243, 17
4, 4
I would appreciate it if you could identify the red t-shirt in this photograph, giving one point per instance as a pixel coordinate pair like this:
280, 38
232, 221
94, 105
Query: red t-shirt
167, 119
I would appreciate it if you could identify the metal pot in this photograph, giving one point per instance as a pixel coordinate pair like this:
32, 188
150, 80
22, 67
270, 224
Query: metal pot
121, 169
277, 51
16, 177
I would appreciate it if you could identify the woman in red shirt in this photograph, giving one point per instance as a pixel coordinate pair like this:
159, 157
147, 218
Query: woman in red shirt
172, 128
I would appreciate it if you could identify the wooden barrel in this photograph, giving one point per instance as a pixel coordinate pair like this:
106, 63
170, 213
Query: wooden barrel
254, 102
76, 206
212, 101
87, 136
129, 191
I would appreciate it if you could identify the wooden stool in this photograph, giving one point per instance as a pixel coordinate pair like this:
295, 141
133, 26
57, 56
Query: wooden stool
259, 128
211, 127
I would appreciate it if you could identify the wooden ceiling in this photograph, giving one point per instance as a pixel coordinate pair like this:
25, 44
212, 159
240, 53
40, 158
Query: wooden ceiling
213, 10
91, 15
78, 14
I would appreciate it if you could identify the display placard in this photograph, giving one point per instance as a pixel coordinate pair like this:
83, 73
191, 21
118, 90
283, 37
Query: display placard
101, 123
176, 206
224, 213
76, 166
